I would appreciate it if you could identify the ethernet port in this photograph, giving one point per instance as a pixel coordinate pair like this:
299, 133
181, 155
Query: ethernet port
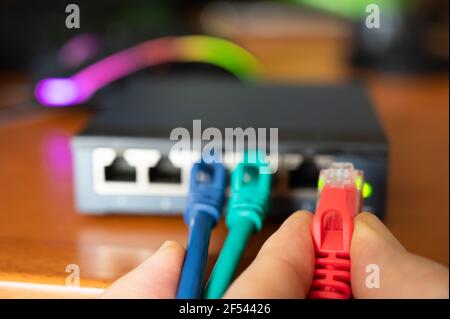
305, 175
165, 172
120, 171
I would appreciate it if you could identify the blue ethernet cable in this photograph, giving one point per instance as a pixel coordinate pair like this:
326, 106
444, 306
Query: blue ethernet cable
203, 211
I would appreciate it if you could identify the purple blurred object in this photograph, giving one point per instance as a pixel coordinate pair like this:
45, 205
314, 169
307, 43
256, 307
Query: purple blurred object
79, 49
58, 92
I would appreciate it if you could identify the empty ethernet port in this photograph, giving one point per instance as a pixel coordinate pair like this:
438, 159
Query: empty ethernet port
305, 175
120, 171
165, 172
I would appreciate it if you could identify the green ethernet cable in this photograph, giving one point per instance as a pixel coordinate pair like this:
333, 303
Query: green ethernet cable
248, 205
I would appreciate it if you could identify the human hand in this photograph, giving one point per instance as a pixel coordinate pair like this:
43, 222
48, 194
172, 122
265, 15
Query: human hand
288, 256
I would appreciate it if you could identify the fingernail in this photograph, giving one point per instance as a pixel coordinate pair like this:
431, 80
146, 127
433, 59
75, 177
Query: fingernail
166, 244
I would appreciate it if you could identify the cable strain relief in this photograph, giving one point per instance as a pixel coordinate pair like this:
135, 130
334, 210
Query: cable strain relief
331, 279
198, 208
238, 214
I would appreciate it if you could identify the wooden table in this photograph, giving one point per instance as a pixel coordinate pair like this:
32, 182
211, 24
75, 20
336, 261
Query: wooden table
41, 233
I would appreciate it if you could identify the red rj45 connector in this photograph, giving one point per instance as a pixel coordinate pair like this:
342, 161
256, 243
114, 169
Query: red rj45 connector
332, 228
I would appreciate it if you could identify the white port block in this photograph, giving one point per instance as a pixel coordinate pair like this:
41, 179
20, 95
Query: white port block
183, 158
142, 160
324, 161
292, 161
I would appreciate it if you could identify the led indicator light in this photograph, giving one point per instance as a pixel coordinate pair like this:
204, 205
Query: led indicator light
367, 190
320, 183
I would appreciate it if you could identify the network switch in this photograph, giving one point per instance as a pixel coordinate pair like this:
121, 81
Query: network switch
124, 161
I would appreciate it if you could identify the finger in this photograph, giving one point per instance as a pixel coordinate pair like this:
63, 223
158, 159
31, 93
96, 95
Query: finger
401, 274
156, 277
283, 267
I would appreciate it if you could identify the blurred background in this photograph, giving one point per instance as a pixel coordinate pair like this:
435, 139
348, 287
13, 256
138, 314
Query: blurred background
297, 40
404, 64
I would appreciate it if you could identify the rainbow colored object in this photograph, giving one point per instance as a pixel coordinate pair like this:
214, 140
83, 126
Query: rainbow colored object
60, 92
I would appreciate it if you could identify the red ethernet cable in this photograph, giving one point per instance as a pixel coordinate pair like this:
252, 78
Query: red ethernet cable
340, 199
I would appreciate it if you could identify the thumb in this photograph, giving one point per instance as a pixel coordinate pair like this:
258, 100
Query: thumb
377, 254
156, 277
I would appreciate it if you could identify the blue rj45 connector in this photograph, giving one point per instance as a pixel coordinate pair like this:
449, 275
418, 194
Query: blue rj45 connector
203, 211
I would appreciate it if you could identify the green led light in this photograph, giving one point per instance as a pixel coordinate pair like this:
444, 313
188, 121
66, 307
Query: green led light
359, 182
367, 190
320, 183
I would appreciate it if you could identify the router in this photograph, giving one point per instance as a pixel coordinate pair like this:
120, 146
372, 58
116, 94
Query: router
123, 163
